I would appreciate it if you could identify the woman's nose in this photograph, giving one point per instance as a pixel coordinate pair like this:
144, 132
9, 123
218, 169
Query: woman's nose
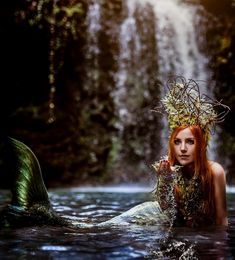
183, 147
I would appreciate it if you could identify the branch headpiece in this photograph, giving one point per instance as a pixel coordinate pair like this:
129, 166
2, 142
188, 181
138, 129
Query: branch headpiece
184, 105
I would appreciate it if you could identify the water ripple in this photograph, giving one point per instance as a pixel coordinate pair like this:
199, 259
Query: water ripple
55, 248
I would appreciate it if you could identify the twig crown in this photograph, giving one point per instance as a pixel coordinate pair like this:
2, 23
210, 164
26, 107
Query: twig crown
185, 105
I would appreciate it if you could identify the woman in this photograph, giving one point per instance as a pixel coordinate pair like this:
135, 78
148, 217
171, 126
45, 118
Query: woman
200, 186
190, 189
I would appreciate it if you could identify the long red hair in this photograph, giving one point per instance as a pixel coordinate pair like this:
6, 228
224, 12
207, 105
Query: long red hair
202, 168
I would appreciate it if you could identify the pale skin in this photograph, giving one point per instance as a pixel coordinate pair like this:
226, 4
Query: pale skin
220, 193
184, 145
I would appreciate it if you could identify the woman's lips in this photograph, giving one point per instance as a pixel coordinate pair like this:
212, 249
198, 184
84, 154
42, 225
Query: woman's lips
184, 156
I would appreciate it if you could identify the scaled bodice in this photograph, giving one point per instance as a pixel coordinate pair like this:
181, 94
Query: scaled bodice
190, 202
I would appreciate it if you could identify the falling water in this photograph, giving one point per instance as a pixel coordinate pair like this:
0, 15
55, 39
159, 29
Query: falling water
130, 47
179, 35
179, 40
93, 24
157, 38
132, 78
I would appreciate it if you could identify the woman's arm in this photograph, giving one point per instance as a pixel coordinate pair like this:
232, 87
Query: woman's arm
219, 182
165, 188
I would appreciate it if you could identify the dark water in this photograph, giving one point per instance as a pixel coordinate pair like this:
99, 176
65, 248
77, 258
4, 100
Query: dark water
133, 242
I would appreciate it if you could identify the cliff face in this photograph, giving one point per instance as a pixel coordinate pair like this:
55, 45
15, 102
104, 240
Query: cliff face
221, 47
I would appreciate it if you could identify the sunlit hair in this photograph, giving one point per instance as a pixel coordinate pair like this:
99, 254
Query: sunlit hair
202, 168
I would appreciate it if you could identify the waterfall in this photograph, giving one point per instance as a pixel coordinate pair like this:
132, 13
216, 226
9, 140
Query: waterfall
155, 39
129, 64
179, 40
179, 35
93, 25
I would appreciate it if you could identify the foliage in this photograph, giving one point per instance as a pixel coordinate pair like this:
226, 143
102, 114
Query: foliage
63, 14
61, 19
221, 46
75, 145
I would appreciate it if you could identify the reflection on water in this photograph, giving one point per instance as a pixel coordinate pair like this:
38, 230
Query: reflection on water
134, 242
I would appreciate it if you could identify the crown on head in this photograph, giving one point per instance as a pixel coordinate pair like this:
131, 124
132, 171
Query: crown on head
184, 105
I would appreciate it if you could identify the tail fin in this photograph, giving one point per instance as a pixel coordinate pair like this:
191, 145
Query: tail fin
27, 184
30, 203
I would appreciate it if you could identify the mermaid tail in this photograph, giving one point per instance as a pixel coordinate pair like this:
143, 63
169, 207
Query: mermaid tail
30, 204
147, 213
27, 184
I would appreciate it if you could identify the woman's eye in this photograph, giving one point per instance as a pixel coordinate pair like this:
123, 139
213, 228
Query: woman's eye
190, 141
177, 142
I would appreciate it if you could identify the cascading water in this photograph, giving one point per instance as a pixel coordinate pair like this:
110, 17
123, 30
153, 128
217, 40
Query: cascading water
93, 24
157, 38
179, 35
179, 40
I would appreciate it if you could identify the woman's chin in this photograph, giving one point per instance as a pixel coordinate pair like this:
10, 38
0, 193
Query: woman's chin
185, 163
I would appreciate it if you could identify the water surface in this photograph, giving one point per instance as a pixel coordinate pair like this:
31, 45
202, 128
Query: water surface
95, 205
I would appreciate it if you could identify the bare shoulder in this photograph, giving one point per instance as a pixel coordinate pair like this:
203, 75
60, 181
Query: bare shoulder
217, 169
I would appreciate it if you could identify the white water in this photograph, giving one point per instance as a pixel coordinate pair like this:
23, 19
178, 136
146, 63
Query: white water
93, 23
179, 41
128, 61
118, 189
131, 188
92, 52
179, 36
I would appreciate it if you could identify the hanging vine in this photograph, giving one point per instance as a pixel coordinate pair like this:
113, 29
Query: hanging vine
60, 18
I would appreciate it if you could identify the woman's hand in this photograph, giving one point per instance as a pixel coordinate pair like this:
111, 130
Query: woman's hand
163, 168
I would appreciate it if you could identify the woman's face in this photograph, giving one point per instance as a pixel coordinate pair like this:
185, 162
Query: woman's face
184, 146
